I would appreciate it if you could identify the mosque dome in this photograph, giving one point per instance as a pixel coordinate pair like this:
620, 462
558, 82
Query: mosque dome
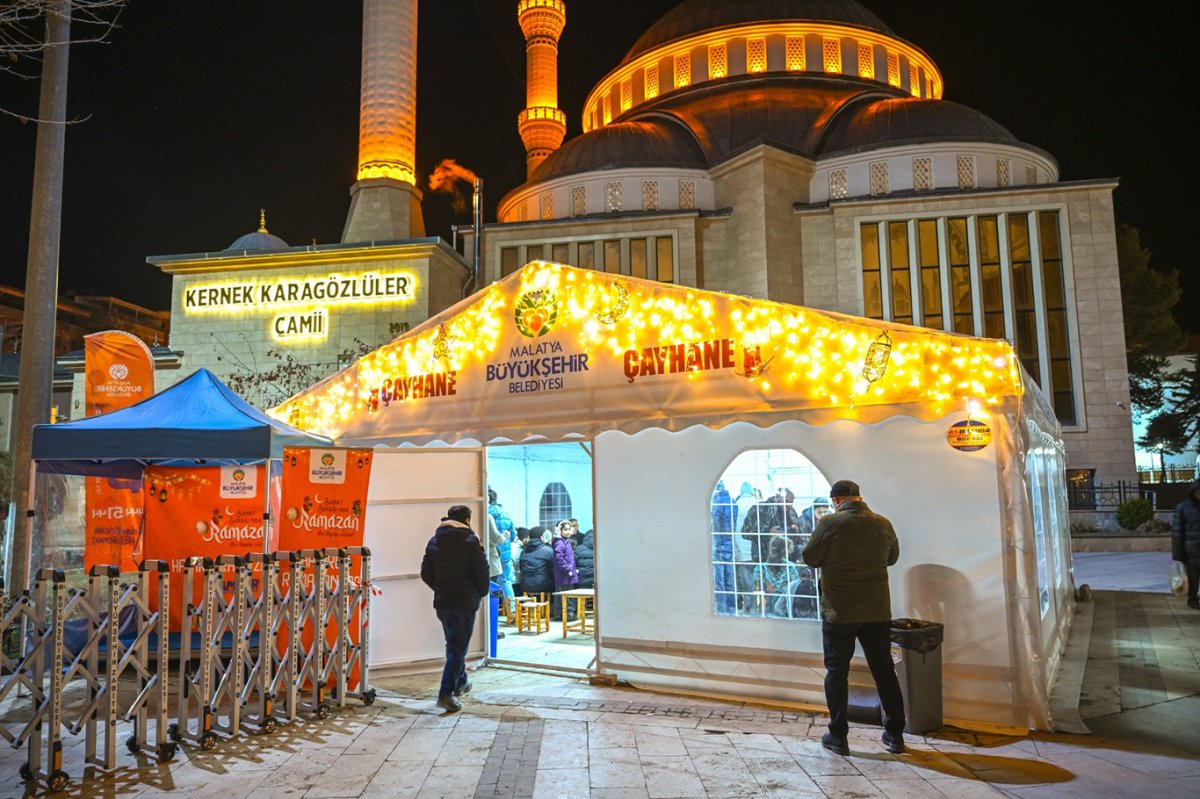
894, 122
260, 239
697, 16
652, 141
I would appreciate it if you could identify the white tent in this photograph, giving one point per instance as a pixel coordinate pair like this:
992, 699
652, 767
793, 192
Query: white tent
945, 433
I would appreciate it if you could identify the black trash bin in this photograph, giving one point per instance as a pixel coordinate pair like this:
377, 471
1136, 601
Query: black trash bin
917, 652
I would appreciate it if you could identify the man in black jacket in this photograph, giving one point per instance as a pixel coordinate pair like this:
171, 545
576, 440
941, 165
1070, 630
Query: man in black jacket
537, 564
1185, 540
456, 568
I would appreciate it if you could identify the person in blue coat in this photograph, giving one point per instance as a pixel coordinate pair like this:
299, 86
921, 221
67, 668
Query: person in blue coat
722, 550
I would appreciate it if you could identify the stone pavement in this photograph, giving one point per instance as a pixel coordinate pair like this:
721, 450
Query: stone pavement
535, 735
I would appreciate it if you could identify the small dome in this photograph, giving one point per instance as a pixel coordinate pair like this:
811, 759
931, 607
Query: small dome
870, 125
695, 16
656, 142
260, 239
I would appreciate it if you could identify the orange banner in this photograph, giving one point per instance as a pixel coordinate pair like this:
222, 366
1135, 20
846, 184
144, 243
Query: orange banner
202, 511
324, 504
118, 372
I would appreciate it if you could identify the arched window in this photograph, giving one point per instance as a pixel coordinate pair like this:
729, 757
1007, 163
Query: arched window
762, 513
554, 506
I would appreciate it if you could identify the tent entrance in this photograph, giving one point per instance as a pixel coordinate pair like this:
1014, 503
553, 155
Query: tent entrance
538, 486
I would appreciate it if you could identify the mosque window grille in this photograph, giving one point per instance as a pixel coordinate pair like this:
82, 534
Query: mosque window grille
914, 81
649, 195
756, 55
866, 61
794, 53
1030, 175
718, 61
966, 171
607, 109
522, 213
879, 178
578, 200
893, 62
838, 188
683, 70
929, 88
687, 194
922, 174
612, 195
626, 94
1003, 177
652, 82
831, 50
547, 204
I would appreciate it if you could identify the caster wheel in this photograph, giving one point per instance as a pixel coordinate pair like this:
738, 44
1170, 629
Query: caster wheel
131, 743
269, 726
369, 697
173, 733
208, 741
323, 712
24, 772
166, 752
58, 781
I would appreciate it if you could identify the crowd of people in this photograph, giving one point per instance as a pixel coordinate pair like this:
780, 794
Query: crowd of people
756, 553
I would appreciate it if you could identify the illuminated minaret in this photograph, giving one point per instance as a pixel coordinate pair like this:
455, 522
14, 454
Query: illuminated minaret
385, 203
542, 124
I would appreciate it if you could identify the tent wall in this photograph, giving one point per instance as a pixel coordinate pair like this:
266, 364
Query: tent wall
410, 492
654, 573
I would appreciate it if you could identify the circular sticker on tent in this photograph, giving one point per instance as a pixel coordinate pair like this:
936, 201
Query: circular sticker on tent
969, 436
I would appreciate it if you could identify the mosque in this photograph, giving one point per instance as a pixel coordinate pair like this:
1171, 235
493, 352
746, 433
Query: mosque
793, 150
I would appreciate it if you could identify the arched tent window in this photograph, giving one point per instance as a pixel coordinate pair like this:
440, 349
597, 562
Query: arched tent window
763, 511
554, 506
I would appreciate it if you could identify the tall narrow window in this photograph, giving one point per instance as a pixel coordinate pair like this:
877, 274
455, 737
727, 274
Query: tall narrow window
509, 257
900, 278
626, 94
1057, 334
612, 257
922, 174
665, 266
587, 255
991, 291
649, 195
1030, 175
607, 108
931, 274
612, 195
879, 177
866, 61
637, 258
960, 276
683, 70
893, 62
838, 189
560, 253
831, 49
718, 62
687, 194
794, 53
1002, 172
966, 172
578, 200
652, 82
534, 252
872, 286
756, 56
914, 81
1025, 338
547, 203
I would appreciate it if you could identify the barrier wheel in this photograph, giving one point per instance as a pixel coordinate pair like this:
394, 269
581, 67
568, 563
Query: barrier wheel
173, 733
368, 697
269, 726
131, 743
166, 751
58, 780
322, 711
24, 772
208, 741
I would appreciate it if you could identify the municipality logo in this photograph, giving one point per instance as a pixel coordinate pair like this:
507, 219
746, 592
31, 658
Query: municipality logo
118, 371
327, 459
239, 476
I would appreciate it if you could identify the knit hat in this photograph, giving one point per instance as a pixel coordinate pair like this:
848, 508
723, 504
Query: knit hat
844, 488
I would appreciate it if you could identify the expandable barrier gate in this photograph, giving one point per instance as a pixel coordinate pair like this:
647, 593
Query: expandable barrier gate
260, 644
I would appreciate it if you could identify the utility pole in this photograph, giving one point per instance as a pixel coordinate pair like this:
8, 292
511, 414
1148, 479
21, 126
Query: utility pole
41, 289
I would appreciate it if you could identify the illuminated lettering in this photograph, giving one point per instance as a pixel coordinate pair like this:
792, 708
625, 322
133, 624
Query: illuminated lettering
691, 356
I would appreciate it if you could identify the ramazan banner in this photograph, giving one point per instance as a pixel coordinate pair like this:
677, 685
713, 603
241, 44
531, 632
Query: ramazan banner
558, 352
324, 504
118, 372
203, 511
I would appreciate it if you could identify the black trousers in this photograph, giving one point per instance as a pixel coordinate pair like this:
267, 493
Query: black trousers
838, 641
1193, 578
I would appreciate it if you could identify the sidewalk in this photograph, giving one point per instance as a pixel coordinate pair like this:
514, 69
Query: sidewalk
531, 735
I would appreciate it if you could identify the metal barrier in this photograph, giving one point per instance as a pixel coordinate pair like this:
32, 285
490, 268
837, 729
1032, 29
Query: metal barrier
90, 658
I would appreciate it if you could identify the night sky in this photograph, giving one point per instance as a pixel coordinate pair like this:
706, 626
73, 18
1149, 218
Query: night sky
198, 114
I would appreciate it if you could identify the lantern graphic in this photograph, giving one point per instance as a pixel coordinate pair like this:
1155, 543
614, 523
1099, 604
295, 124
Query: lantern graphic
876, 363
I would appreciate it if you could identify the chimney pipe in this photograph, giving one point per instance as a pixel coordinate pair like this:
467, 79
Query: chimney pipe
477, 203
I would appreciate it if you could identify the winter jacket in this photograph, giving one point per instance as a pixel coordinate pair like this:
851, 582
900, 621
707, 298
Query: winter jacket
1185, 529
537, 567
495, 548
566, 574
721, 519
853, 547
585, 562
455, 567
506, 527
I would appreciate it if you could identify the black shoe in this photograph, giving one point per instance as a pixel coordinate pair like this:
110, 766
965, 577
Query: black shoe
894, 745
834, 744
465, 688
1194, 604
449, 704
500, 635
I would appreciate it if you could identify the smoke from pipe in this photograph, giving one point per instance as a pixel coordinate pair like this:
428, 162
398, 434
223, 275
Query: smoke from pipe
449, 178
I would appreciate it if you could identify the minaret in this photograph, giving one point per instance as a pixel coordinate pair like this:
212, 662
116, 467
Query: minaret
542, 124
385, 203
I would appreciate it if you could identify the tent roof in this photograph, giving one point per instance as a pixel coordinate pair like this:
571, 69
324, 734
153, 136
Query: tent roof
197, 419
556, 353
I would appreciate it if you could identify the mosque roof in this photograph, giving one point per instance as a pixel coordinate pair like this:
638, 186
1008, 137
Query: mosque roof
260, 239
695, 16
